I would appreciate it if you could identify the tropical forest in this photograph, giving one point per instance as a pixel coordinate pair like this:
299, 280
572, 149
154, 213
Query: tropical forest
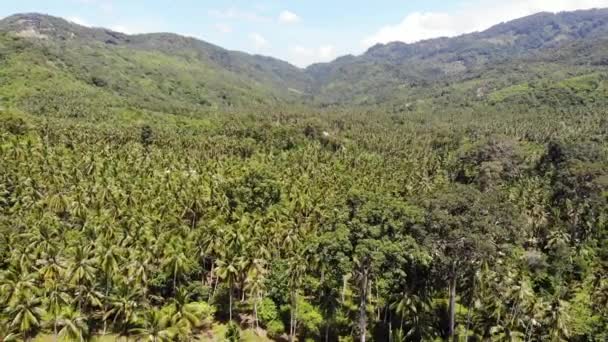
156, 187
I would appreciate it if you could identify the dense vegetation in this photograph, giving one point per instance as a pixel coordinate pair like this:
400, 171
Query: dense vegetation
128, 209
517, 61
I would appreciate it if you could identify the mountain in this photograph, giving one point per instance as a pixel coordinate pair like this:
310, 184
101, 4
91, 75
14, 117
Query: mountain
49, 62
389, 70
159, 72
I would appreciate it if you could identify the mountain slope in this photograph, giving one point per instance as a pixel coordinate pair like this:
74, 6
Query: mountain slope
49, 62
160, 72
386, 70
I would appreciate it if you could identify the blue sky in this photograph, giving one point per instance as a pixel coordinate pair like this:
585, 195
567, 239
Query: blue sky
301, 32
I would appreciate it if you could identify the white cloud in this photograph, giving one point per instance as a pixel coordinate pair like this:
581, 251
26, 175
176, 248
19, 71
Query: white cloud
234, 13
191, 35
259, 42
287, 17
123, 29
131, 29
303, 56
327, 52
79, 21
223, 28
104, 5
302, 51
475, 16
144, 25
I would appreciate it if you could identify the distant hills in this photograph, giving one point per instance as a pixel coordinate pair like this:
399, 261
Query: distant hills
394, 69
50, 64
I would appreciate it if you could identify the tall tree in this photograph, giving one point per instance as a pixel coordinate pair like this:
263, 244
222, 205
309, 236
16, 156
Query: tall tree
465, 228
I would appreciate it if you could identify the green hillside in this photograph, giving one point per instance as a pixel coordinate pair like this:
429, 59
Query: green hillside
159, 188
157, 72
169, 73
502, 56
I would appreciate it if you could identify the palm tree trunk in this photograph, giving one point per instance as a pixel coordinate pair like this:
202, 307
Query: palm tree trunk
291, 326
255, 310
452, 307
363, 305
290, 338
466, 336
105, 306
291, 322
55, 333
216, 279
293, 317
230, 309
390, 325
343, 288
55, 329
203, 274
174, 279
528, 333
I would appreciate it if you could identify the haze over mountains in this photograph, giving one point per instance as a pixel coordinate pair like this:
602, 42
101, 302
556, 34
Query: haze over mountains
172, 73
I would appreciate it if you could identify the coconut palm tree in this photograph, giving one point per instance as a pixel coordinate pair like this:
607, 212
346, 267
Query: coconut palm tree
82, 269
122, 308
255, 283
155, 327
73, 325
56, 299
14, 282
25, 315
175, 260
6, 333
228, 269
556, 321
184, 314
87, 298
109, 265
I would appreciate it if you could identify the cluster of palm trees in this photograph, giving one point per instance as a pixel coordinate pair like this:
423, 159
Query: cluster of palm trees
413, 233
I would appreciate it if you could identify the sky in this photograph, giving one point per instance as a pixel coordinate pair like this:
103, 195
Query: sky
300, 32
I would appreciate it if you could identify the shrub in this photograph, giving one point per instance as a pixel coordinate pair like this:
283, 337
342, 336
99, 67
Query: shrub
309, 316
233, 334
99, 82
275, 329
202, 311
13, 125
147, 135
267, 311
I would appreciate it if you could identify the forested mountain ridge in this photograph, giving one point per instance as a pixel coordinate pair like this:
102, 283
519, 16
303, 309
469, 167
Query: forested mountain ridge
399, 70
258, 68
150, 189
192, 75
160, 72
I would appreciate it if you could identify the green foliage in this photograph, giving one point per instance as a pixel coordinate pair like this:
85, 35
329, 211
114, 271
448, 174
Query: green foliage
309, 317
534, 61
275, 329
233, 333
202, 311
267, 311
140, 182
509, 92
147, 136
12, 124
